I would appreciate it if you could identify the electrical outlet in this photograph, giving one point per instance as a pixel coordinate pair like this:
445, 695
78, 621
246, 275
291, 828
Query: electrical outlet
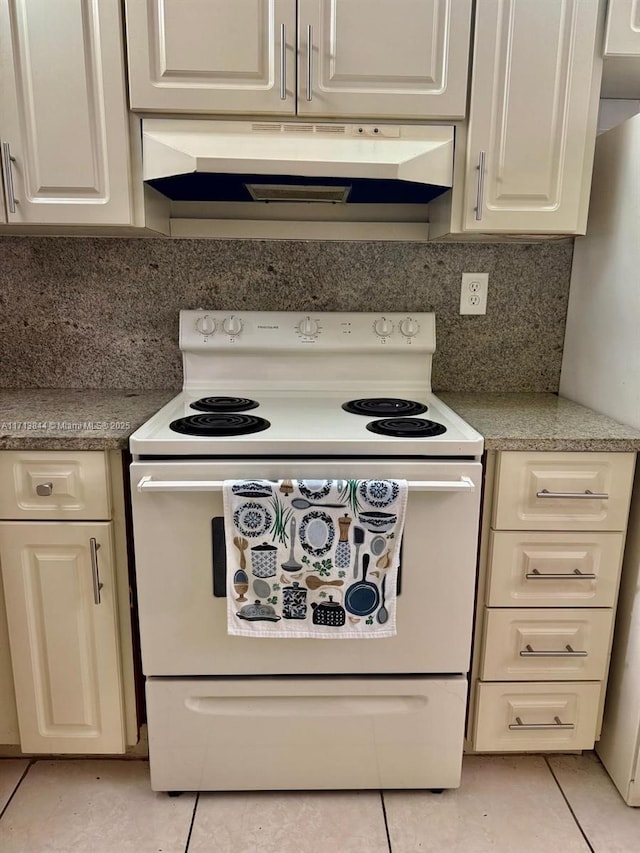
473, 292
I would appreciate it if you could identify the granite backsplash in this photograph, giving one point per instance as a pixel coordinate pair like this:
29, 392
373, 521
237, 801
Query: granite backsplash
103, 312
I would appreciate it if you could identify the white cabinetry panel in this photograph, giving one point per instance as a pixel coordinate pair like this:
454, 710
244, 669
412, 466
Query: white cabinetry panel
551, 491
222, 57
8, 715
63, 636
538, 645
522, 717
63, 112
533, 116
389, 58
56, 484
552, 569
623, 28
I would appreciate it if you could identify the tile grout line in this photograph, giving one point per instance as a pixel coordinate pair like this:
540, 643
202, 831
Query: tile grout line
386, 824
15, 790
569, 806
193, 820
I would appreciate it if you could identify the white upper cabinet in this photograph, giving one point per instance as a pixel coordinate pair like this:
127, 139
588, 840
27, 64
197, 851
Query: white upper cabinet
396, 58
404, 58
63, 117
623, 28
225, 56
533, 114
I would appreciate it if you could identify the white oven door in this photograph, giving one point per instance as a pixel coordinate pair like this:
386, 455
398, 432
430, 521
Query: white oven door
183, 626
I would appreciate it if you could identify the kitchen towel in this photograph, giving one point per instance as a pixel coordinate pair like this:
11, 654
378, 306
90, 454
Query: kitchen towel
313, 558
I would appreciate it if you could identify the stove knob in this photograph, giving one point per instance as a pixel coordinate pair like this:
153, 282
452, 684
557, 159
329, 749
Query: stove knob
232, 325
409, 327
383, 327
308, 327
206, 325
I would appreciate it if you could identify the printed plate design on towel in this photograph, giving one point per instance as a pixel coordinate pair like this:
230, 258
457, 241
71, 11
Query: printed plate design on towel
378, 493
317, 533
252, 519
315, 490
324, 578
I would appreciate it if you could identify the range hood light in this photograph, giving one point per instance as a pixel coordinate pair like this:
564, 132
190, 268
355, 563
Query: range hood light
284, 192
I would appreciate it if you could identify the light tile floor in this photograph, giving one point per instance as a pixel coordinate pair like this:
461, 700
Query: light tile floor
507, 804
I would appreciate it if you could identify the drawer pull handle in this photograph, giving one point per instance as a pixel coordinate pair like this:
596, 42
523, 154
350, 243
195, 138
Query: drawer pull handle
480, 187
586, 495
7, 161
531, 727
95, 570
567, 652
309, 62
283, 62
44, 489
576, 575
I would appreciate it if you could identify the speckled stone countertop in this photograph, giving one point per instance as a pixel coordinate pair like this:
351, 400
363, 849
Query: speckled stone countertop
540, 422
64, 419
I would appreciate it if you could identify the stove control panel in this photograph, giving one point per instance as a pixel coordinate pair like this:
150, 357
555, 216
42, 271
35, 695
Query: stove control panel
273, 331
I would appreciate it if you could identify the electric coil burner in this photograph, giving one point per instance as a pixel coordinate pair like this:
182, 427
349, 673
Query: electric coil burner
385, 406
212, 424
224, 404
406, 427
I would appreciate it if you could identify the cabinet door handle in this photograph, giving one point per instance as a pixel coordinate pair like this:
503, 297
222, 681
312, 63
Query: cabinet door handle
531, 727
95, 570
43, 490
7, 160
309, 60
480, 188
567, 652
283, 62
586, 495
576, 575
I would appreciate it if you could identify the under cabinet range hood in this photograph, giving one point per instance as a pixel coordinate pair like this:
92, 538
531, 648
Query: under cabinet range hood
300, 167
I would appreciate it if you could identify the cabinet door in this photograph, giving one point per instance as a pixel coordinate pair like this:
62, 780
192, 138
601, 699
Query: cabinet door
63, 112
8, 715
227, 56
623, 28
63, 635
533, 114
404, 58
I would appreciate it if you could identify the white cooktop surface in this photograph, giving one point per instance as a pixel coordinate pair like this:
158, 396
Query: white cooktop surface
304, 424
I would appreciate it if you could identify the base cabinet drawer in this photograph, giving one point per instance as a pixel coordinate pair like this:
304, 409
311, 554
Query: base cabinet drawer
539, 645
563, 491
54, 484
530, 569
514, 717
262, 734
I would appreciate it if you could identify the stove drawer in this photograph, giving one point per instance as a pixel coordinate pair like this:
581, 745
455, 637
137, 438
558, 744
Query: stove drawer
270, 734
540, 645
54, 485
551, 491
536, 717
553, 569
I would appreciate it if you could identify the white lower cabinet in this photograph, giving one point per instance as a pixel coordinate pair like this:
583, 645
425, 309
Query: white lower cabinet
59, 586
66, 652
520, 717
550, 560
8, 715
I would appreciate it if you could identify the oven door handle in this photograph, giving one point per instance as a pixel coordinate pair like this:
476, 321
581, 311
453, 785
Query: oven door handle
148, 484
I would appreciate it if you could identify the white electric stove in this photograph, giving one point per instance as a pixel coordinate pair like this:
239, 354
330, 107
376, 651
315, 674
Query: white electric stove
287, 376
228, 712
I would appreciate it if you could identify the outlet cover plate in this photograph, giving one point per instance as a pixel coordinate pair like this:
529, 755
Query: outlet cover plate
473, 292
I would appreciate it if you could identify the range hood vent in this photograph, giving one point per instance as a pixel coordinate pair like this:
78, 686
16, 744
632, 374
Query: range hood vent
197, 160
